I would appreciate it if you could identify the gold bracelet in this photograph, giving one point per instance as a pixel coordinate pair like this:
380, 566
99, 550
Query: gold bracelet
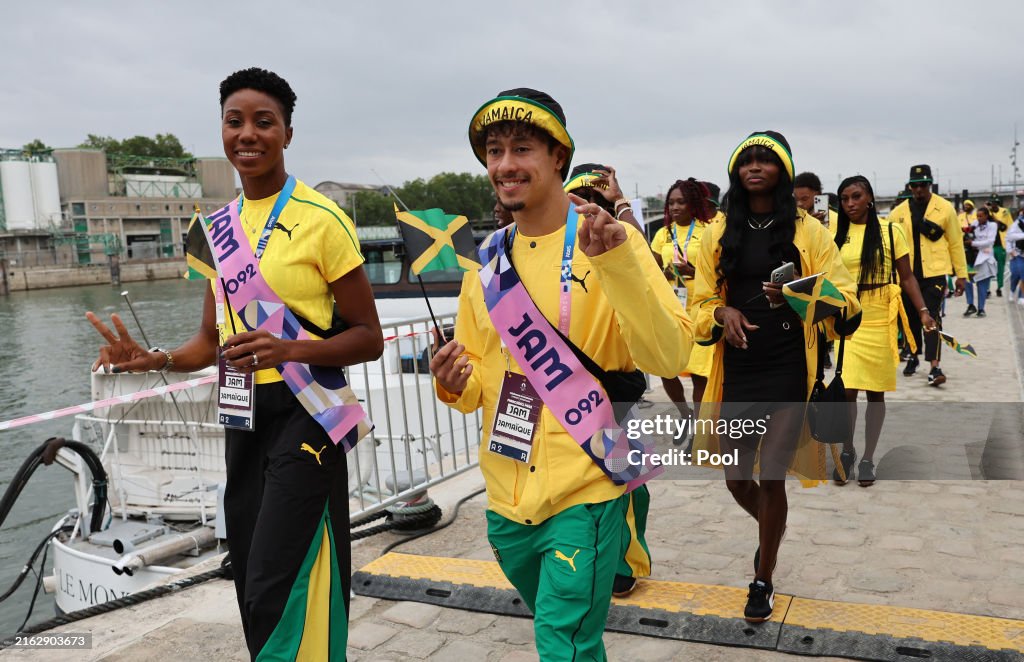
169, 364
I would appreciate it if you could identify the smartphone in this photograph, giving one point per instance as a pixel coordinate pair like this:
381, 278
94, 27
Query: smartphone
821, 205
783, 274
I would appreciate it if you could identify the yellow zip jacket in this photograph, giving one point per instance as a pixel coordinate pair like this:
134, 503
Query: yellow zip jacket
818, 254
1003, 215
942, 257
966, 219
624, 316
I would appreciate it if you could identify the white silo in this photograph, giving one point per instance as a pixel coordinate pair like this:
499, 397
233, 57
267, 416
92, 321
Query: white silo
19, 207
45, 193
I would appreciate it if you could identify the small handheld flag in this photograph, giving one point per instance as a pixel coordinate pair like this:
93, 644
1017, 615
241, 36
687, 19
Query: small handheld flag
198, 255
814, 298
955, 344
436, 240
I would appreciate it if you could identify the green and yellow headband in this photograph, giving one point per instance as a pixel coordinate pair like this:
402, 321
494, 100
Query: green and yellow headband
583, 180
518, 109
763, 140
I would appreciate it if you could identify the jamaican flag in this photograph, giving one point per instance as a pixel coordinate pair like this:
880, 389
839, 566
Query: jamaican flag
198, 255
955, 344
814, 298
436, 240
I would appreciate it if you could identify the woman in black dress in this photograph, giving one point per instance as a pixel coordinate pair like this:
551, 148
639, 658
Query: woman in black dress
762, 372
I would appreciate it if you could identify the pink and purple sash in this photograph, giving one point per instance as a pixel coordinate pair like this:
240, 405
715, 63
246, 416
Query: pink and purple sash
322, 390
573, 394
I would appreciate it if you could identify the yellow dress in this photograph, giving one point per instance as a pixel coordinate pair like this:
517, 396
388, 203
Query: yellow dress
662, 244
818, 254
871, 356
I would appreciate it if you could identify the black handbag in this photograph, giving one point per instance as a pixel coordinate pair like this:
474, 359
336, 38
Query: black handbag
828, 412
932, 231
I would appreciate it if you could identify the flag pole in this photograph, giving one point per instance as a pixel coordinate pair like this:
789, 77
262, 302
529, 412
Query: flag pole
423, 289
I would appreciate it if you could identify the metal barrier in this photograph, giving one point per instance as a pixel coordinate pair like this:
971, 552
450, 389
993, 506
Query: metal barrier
417, 442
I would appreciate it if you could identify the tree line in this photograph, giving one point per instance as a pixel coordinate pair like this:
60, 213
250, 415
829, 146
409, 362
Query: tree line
459, 193
161, 145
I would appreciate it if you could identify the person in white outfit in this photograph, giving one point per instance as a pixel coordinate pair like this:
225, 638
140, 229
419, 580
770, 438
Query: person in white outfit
985, 265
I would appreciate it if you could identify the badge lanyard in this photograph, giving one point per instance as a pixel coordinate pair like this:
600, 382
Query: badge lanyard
279, 204
565, 273
686, 244
518, 409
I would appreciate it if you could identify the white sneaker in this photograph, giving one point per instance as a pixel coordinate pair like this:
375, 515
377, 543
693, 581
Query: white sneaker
1021, 301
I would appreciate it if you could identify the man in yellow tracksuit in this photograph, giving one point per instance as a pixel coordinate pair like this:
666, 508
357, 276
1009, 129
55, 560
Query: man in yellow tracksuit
936, 248
556, 521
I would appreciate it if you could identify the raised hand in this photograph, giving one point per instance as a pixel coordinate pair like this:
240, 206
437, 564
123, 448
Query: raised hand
599, 232
608, 186
122, 353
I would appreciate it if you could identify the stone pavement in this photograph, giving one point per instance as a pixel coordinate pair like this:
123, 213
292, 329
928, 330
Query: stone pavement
944, 545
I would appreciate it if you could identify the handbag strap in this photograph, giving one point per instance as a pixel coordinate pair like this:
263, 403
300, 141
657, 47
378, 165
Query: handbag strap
823, 352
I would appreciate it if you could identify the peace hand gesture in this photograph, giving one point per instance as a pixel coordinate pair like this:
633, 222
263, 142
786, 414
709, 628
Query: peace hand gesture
122, 351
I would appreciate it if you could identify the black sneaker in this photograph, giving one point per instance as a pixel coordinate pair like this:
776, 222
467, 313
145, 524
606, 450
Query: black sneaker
970, 310
760, 601
999, 291
847, 458
866, 473
935, 377
911, 366
623, 586
981, 313
905, 354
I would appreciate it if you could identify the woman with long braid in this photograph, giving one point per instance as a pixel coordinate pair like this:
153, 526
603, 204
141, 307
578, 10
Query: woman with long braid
877, 257
764, 369
676, 246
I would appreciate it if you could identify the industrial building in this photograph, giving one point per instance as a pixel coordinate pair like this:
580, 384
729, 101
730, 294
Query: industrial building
139, 206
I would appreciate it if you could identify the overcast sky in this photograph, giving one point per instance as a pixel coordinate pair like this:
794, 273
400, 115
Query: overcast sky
660, 90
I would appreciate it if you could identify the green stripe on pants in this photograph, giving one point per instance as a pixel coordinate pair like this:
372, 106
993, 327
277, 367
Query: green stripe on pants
564, 568
636, 559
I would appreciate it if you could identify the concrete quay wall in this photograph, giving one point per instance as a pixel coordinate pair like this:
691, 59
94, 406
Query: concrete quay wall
41, 278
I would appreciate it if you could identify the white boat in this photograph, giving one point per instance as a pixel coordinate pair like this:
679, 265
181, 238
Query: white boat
164, 461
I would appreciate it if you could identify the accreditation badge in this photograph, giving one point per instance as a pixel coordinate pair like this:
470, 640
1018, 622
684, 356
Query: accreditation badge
515, 420
235, 405
681, 294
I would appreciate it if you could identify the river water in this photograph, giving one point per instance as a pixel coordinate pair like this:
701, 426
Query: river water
46, 349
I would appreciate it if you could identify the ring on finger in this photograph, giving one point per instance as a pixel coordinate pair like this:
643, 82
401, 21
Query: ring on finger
255, 359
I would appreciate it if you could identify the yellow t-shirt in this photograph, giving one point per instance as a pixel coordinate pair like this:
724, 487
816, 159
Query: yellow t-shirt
851, 249
624, 315
663, 245
313, 244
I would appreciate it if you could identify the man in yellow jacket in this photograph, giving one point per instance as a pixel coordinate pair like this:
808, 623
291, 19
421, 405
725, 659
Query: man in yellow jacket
806, 186
967, 216
936, 248
555, 518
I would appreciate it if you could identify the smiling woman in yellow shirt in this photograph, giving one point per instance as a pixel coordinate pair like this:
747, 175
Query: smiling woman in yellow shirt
688, 211
874, 253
